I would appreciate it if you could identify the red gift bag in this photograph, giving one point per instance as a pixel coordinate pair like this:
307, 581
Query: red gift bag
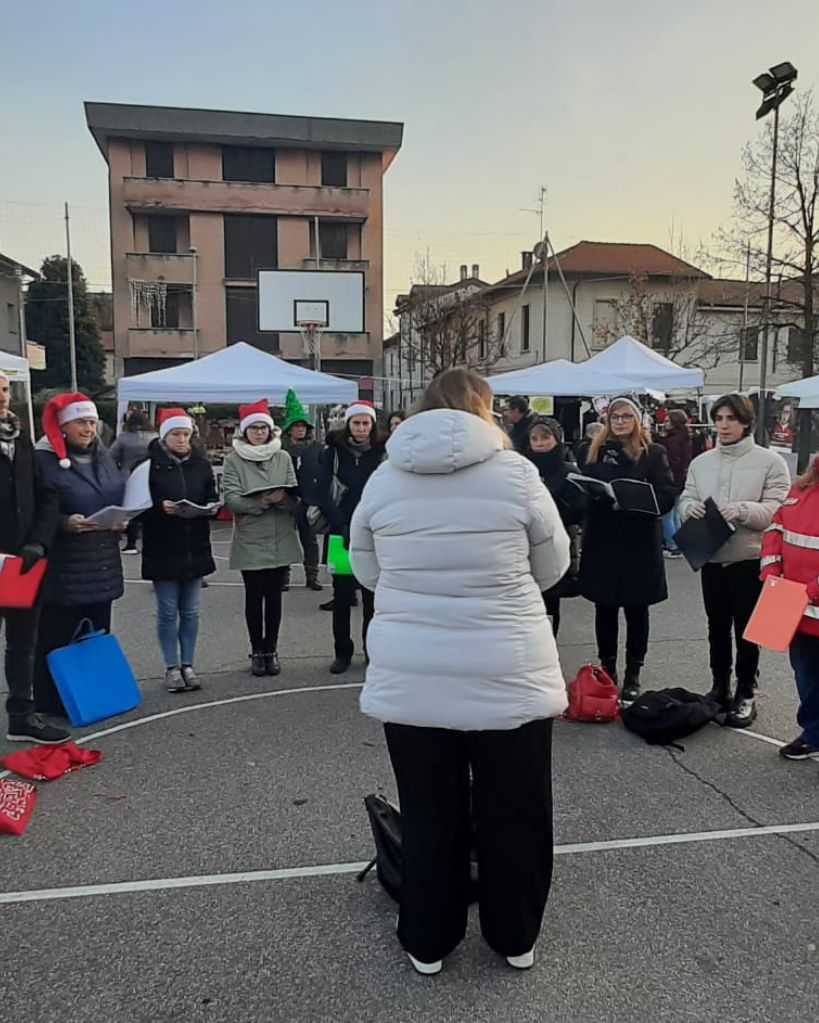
19, 589
592, 696
17, 799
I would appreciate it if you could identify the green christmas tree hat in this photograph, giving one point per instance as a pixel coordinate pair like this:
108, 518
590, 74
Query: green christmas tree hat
294, 412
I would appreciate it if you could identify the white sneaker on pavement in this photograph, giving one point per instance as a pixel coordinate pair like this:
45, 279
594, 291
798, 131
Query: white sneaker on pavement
523, 962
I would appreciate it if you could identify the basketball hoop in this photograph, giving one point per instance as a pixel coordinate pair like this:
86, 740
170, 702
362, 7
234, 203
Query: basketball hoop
310, 331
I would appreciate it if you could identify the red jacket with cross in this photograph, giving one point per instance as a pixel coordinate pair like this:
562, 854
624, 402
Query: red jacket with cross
791, 548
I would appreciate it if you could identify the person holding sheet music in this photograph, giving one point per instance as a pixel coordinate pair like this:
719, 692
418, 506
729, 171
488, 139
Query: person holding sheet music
260, 488
176, 551
621, 565
84, 575
748, 484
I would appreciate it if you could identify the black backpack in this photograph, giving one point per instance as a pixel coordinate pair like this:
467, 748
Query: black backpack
666, 715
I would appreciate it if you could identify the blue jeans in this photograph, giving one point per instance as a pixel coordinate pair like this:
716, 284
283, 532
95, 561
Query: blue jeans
671, 523
804, 654
177, 619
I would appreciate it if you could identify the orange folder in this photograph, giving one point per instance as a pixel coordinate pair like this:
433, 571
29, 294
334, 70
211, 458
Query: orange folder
777, 614
18, 589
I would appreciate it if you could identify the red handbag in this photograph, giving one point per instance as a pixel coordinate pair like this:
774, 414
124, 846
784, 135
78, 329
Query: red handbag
18, 589
17, 800
593, 696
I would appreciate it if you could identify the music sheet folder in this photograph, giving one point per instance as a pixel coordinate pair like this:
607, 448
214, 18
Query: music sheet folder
700, 539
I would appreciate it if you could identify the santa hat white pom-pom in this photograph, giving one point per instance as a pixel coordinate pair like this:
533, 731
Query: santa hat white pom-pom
65, 463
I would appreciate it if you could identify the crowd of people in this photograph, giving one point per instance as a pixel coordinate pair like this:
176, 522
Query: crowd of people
464, 540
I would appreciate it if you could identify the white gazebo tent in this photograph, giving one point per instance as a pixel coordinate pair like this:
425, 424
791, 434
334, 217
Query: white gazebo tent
641, 368
807, 391
238, 373
559, 378
17, 369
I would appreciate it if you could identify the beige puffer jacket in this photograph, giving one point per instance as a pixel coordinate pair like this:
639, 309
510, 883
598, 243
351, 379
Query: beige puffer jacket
743, 474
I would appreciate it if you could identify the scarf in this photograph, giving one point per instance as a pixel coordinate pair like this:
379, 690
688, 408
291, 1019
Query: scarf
172, 456
358, 447
9, 428
258, 452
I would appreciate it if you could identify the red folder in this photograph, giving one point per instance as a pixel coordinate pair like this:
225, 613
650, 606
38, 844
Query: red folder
777, 614
19, 590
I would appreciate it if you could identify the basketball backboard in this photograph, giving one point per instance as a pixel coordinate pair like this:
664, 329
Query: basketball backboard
332, 299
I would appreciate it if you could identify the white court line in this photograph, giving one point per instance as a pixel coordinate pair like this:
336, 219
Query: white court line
336, 869
148, 582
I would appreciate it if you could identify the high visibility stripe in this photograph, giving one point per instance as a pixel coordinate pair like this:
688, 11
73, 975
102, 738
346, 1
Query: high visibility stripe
812, 611
775, 528
774, 559
810, 543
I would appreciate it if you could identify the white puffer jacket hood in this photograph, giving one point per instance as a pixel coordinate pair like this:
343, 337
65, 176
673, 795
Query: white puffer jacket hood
458, 537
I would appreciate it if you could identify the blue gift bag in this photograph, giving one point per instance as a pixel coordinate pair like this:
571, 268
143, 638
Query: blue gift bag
93, 676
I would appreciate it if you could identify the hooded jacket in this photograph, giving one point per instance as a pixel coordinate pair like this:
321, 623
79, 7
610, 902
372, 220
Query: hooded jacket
28, 507
458, 537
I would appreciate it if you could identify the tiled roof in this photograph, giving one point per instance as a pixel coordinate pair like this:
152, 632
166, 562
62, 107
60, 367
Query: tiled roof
725, 292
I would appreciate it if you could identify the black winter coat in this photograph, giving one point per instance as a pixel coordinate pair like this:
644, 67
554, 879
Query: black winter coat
622, 562
572, 504
306, 455
354, 470
28, 506
83, 568
173, 547
519, 432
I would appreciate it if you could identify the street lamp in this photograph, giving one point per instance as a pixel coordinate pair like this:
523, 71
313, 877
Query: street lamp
775, 84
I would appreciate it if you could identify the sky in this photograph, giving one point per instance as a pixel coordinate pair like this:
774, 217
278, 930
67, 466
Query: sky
632, 115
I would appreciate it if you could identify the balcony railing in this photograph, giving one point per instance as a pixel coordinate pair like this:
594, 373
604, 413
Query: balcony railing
170, 267
159, 341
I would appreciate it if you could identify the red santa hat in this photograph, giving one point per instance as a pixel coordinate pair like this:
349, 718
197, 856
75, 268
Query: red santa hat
359, 408
65, 408
173, 419
256, 413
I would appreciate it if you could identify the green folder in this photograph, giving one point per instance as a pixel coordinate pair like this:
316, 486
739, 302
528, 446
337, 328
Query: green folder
338, 557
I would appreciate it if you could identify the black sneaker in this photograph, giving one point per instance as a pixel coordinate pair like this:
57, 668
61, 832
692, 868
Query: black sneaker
340, 665
271, 663
799, 750
327, 605
630, 693
313, 584
743, 711
36, 728
130, 550
720, 692
257, 665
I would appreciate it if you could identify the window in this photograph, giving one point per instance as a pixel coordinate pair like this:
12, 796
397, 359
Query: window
482, 340
241, 307
248, 163
162, 234
334, 169
795, 344
333, 238
524, 329
11, 317
502, 333
662, 325
749, 339
251, 244
605, 322
159, 159
178, 311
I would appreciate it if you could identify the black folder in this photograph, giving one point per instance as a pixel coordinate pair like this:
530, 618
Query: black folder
700, 539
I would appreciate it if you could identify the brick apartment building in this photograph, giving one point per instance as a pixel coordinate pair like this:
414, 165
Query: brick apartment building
200, 200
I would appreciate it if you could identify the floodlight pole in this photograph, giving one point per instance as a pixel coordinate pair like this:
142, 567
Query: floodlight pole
766, 311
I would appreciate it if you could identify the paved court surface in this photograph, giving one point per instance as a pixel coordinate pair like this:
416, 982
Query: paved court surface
204, 870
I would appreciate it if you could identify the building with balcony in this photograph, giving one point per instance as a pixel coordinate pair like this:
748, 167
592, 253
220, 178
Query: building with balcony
200, 200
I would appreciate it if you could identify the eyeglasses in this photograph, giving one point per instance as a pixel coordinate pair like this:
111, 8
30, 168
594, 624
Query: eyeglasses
625, 417
258, 427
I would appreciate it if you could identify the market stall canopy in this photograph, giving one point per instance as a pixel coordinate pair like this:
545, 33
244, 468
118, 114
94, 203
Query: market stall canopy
807, 391
642, 368
14, 366
556, 379
238, 373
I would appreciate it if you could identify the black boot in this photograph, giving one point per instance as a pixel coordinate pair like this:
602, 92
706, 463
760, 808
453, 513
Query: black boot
257, 665
340, 665
271, 663
609, 665
631, 683
311, 576
720, 692
743, 707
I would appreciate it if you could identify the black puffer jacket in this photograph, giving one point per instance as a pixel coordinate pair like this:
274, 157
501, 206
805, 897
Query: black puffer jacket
83, 568
28, 506
306, 455
554, 467
354, 469
622, 561
173, 547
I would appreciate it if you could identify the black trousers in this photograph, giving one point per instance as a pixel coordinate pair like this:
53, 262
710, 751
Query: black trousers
607, 628
511, 802
730, 593
553, 610
133, 533
263, 607
21, 637
57, 627
344, 587
309, 545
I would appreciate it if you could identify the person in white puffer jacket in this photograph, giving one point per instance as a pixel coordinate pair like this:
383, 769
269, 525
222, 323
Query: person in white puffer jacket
458, 537
748, 484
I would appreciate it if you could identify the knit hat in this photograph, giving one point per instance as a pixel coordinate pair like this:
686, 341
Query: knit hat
65, 408
635, 408
257, 413
359, 408
294, 412
551, 424
173, 419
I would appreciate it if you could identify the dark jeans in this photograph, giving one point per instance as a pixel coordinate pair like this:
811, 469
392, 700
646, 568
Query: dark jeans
344, 587
263, 607
804, 652
607, 628
57, 627
21, 636
553, 610
309, 545
511, 804
730, 593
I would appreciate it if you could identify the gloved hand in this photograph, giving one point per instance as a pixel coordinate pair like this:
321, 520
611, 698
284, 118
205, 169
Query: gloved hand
31, 553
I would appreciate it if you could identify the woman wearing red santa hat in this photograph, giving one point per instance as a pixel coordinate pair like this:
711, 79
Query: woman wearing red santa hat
260, 488
84, 573
352, 455
176, 552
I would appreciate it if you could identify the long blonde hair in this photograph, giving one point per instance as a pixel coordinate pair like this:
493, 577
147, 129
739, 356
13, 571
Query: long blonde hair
464, 391
636, 445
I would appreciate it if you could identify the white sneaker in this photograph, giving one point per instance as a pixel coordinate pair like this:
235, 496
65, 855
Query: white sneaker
524, 962
189, 675
428, 969
174, 681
